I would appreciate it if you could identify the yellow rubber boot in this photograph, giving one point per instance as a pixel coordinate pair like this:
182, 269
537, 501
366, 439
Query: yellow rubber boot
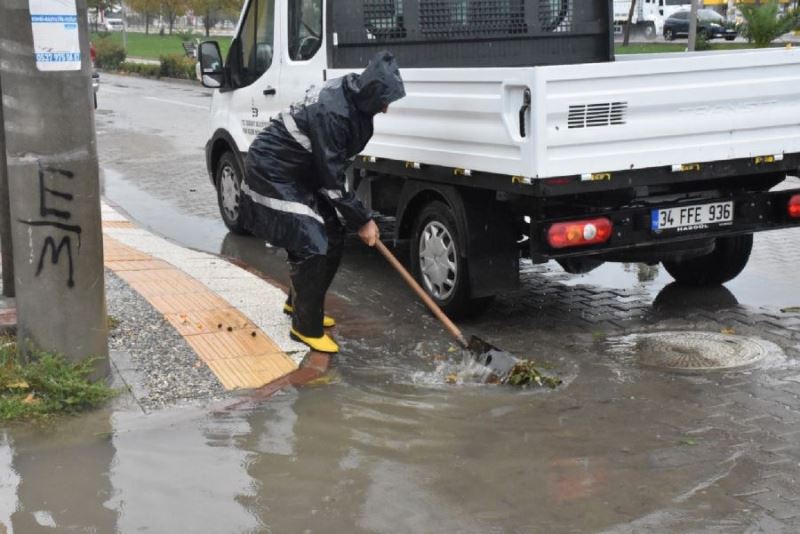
327, 320
320, 344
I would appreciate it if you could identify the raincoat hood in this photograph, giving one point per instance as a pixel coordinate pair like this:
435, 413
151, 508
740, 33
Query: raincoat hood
379, 85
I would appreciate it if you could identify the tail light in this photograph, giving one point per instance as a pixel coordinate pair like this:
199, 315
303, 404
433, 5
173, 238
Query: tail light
794, 207
579, 233
92, 53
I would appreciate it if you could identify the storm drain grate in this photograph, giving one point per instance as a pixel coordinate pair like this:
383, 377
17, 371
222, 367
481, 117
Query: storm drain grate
698, 351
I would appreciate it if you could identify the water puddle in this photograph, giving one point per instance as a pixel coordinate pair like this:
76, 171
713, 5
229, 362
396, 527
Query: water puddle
161, 217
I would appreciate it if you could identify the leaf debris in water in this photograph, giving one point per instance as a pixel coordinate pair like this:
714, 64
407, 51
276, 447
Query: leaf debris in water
525, 373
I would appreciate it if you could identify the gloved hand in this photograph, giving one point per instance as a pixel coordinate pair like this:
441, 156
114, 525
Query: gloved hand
369, 233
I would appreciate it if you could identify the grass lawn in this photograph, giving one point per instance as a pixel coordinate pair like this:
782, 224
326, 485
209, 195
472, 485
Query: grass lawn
152, 46
653, 48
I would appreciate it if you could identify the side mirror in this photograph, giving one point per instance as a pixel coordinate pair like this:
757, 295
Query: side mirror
211, 72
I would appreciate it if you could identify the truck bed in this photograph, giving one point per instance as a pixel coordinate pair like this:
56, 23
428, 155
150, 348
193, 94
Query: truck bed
635, 113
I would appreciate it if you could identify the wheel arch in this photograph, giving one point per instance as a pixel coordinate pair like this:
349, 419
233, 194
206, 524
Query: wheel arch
413, 198
485, 231
221, 142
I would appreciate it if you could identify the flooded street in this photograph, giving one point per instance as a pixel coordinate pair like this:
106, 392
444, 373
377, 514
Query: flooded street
384, 443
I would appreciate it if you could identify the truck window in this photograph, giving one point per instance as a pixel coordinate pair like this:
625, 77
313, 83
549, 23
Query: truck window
257, 40
305, 28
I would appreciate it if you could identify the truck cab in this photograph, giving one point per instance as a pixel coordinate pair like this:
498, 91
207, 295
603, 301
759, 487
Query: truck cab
277, 53
523, 136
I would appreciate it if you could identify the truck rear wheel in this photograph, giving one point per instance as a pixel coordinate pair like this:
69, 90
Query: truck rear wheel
438, 264
728, 259
229, 190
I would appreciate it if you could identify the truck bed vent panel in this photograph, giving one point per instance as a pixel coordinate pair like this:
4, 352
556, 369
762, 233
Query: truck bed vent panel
591, 115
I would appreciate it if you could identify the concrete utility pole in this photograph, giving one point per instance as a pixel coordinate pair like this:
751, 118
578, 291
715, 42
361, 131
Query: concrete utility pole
53, 178
5, 214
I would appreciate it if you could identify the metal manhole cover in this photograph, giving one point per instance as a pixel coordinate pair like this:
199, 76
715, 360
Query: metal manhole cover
698, 351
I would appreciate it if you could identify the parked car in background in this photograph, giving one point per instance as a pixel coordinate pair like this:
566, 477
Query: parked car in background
710, 25
95, 74
113, 25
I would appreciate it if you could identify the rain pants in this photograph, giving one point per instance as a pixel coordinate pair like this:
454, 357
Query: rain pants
294, 193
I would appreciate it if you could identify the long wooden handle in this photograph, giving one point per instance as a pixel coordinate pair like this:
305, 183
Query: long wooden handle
444, 319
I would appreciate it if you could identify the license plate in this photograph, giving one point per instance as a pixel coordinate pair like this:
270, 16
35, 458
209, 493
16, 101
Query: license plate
688, 218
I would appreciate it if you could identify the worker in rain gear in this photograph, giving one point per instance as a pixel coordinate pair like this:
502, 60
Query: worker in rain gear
294, 188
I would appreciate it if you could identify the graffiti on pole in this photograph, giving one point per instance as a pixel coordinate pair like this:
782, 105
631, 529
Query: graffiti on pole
55, 220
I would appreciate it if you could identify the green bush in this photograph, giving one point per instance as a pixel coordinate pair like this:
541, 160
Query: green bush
109, 54
763, 24
46, 386
178, 66
701, 42
148, 70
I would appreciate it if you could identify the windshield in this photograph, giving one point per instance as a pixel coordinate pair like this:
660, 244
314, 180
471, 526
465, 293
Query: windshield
710, 16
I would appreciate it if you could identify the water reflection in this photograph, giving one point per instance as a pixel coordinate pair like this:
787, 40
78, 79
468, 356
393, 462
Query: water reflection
182, 471
62, 476
9, 481
678, 300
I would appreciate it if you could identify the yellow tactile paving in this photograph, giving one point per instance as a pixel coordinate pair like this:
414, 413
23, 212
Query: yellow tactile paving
113, 250
207, 322
251, 371
226, 345
117, 224
187, 302
238, 353
141, 265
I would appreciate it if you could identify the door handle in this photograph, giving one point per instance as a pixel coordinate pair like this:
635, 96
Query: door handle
270, 91
526, 105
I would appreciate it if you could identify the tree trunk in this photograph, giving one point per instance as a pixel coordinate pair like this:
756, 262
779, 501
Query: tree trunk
628, 24
171, 17
207, 22
693, 26
147, 23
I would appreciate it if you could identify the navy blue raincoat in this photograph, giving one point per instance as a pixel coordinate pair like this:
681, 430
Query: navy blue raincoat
298, 162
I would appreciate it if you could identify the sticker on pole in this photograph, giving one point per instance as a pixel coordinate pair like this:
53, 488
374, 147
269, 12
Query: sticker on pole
55, 35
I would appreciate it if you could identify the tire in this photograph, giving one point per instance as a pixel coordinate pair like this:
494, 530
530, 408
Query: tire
669, 35
704, 34
438, 264
730, 38
728, 259
649, 31
229, 189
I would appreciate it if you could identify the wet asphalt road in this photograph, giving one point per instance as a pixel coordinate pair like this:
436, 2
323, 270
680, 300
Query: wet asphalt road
388, 445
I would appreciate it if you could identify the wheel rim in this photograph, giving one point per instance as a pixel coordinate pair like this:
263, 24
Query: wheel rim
668, 35
437, 260
229, 187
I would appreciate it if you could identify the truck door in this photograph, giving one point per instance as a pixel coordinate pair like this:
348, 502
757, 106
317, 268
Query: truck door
255, 71
304, 53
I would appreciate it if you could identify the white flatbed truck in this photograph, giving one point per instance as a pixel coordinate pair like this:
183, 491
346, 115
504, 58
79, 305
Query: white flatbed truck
522, 135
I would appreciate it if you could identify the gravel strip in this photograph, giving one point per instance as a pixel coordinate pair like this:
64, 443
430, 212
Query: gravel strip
168, 369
